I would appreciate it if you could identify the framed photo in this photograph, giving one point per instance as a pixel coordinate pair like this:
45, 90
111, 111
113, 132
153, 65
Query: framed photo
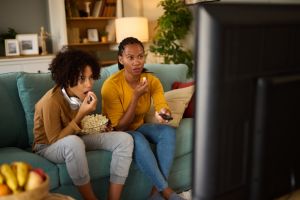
28, 44
12, 47
93, 35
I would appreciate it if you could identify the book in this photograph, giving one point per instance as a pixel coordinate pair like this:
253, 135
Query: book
97, 8
109, 8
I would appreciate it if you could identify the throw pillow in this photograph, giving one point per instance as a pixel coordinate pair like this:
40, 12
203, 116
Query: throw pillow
190, 110
31, 87
177, 100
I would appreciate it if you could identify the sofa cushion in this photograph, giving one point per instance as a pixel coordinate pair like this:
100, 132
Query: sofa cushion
180, 177
104, 74
11, 154
168, 73
98, 162
31, 87
12, 120
184, 137
189, 111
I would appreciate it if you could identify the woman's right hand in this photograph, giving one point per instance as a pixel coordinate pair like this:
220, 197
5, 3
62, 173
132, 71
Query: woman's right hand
89, 103
141, 88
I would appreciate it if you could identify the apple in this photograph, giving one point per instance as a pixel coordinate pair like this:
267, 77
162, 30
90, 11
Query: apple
40, 172
34, 180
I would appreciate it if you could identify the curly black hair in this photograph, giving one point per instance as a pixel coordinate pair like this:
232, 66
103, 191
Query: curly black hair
69, 64
123, 43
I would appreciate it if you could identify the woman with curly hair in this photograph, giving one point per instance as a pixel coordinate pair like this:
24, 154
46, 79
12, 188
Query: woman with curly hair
57, 124
126, 98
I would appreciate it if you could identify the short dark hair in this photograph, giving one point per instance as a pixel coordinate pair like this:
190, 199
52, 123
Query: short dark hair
123, 43
68, 64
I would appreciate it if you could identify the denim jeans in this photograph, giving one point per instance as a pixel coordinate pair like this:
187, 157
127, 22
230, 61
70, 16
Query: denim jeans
155, 165
72, 151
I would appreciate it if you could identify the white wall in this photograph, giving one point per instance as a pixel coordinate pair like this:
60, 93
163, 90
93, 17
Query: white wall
146, 8
149, 9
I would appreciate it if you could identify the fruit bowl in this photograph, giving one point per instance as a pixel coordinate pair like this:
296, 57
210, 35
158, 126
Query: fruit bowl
38, 193
20, 181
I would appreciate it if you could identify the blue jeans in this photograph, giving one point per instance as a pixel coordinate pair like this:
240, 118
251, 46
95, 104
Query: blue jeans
155, 165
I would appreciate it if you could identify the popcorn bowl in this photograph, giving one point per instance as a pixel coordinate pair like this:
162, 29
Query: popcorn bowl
95, 129
95, 124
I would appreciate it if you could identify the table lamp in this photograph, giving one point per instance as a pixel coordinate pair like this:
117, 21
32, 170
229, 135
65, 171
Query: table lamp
132, 27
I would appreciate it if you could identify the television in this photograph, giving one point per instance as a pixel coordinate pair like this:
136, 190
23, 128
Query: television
247, 69
276, 164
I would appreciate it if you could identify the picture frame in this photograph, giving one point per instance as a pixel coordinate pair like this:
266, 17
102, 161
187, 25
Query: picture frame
28, 44
93, 35
12, 47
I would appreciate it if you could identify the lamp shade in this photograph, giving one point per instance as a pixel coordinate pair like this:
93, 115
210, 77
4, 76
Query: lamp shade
132, 27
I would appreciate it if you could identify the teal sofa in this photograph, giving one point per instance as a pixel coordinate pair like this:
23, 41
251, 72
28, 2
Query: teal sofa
19, 93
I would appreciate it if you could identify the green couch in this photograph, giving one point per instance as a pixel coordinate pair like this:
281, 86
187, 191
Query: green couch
19, 93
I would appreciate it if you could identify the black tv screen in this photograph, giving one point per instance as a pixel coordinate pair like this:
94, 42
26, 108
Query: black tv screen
238, 44
276, 164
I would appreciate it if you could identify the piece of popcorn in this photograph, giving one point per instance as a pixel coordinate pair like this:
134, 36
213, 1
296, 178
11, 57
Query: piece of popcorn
144, 79
94, 124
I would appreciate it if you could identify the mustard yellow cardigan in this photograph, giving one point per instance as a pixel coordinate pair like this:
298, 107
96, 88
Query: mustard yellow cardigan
117, 93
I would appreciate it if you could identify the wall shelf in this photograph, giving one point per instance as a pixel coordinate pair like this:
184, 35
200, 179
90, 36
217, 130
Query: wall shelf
90, 44
69, 31
89, 18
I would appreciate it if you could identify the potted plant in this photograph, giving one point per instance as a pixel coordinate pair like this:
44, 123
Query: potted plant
103, 35
171, 29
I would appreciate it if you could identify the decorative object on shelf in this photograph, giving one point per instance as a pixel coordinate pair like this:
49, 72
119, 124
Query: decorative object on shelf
85, 40
42, 39
111, 29
97, 8
104, 36
138, 28
87, 8
28, 44
10, 34
172, 27
12, 47
93, 35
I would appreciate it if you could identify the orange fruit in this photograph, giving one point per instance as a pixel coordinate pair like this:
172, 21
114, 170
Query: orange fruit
4, 190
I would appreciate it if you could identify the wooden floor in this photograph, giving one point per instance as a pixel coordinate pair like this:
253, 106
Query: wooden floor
292, 196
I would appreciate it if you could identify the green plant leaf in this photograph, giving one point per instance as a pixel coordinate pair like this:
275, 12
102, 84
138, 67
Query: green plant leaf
171, 28
10, 34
